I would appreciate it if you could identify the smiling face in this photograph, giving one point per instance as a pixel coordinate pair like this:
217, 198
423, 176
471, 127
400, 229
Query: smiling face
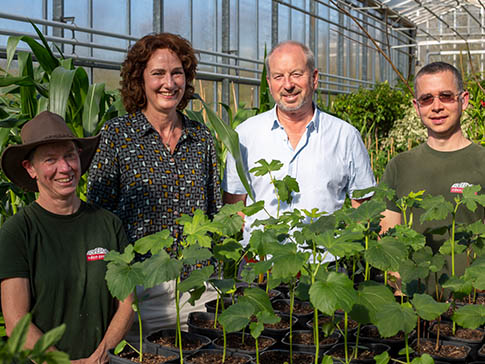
56, 168
442, 119
163, 82
290, 81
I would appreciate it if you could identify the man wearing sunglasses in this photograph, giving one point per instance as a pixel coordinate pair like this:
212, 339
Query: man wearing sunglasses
447, 162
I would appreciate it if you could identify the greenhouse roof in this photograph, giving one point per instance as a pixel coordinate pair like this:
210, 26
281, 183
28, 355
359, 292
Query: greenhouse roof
421, 11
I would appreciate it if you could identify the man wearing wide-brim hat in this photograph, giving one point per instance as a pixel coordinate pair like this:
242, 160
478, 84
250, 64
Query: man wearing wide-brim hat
51, 251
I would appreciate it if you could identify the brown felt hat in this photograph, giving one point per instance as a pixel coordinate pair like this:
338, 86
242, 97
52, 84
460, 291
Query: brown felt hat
45, 128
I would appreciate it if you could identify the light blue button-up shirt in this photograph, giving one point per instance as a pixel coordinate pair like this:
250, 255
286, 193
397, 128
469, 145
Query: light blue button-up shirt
329, 162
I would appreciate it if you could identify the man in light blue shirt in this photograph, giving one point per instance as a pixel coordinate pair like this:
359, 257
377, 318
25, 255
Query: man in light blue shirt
323, 153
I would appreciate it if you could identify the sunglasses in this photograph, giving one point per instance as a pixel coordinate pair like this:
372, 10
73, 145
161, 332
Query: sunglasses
446, 97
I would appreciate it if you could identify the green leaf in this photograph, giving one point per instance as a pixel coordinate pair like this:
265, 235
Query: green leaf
476, 275
286, 187
424, 359
49, 339
196, 228
253, 208
196, 279
194, 253
223, 286
287, 262
260, 241
445, 248
382, 358
53, 357
154, 243
265, 167
327, 359
120, 347
369, 210
92, 107
386, 254
344, 245
123, 279
458, 285
471, 198
435, 208
393, 317
427, 308
229, 249
236, 316
334, 292
59, 90
19, 335
370, 297
231, 140
470, 316
160, 268
410, 237
258, 298
12, 43
116, 257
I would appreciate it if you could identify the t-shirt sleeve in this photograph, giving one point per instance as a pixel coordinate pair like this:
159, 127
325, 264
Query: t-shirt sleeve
389, 179
13, 249
361, 174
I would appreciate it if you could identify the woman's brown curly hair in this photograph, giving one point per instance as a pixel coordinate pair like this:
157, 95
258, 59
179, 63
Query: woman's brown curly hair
132, 92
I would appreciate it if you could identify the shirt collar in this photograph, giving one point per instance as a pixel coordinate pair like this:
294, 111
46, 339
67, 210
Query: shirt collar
312, 125
143, 126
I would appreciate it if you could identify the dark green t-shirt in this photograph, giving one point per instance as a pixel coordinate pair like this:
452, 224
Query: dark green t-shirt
62, 256
438, 173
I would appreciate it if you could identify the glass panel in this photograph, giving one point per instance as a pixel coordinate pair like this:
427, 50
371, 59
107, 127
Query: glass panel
141, 17
264, 36
248, 21
117, 10
176, 17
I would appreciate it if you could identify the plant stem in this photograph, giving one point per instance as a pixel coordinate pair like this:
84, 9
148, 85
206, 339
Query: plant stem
225, 344
140, 327
177, 308
257, 351
407, 347
292, 302
346, 348
12, 199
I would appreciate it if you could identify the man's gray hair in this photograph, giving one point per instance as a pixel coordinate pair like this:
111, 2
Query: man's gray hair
437, 67
310, 57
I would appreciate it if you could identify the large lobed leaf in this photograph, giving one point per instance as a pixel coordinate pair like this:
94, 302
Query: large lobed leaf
386, 254
470, 316
370, 297
427, 308
236, 317
335, 291
393, 317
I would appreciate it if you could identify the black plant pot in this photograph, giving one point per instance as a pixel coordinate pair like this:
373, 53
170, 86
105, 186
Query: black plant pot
474, 344
439, 357
283, 356
196, 318
218, 354
166, 356
192, 341
374, 347
325, 342
370, 334
238, 338
351, 326
282, 305
212, 305
279, 333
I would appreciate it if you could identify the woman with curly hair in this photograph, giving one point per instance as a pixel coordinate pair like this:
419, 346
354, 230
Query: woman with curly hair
154, 164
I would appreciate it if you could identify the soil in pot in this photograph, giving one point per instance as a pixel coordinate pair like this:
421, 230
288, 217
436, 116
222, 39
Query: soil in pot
167, 340
468, 335
447, 350
215, 357
366, 353
129, 356
302, 310
303, 340
202, 323
235, 342
282, 356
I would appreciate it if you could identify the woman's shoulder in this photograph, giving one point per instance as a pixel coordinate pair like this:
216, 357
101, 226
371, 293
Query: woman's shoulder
124, 122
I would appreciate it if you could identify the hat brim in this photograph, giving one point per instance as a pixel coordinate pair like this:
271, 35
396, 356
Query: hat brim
14, 155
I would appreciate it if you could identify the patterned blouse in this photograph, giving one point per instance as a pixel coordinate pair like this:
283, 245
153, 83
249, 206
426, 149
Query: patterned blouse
137, 178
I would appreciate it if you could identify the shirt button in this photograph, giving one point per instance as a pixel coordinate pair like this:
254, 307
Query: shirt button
176, 213
172, 160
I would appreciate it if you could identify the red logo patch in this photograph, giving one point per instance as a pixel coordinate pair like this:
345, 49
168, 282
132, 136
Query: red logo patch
458, 187
96, 254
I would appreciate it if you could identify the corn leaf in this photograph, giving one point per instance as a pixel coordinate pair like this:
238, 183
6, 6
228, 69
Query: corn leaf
92, 107
59, 90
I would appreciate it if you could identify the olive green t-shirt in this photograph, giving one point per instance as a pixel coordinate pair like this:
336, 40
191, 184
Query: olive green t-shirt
438, 173
62, 256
